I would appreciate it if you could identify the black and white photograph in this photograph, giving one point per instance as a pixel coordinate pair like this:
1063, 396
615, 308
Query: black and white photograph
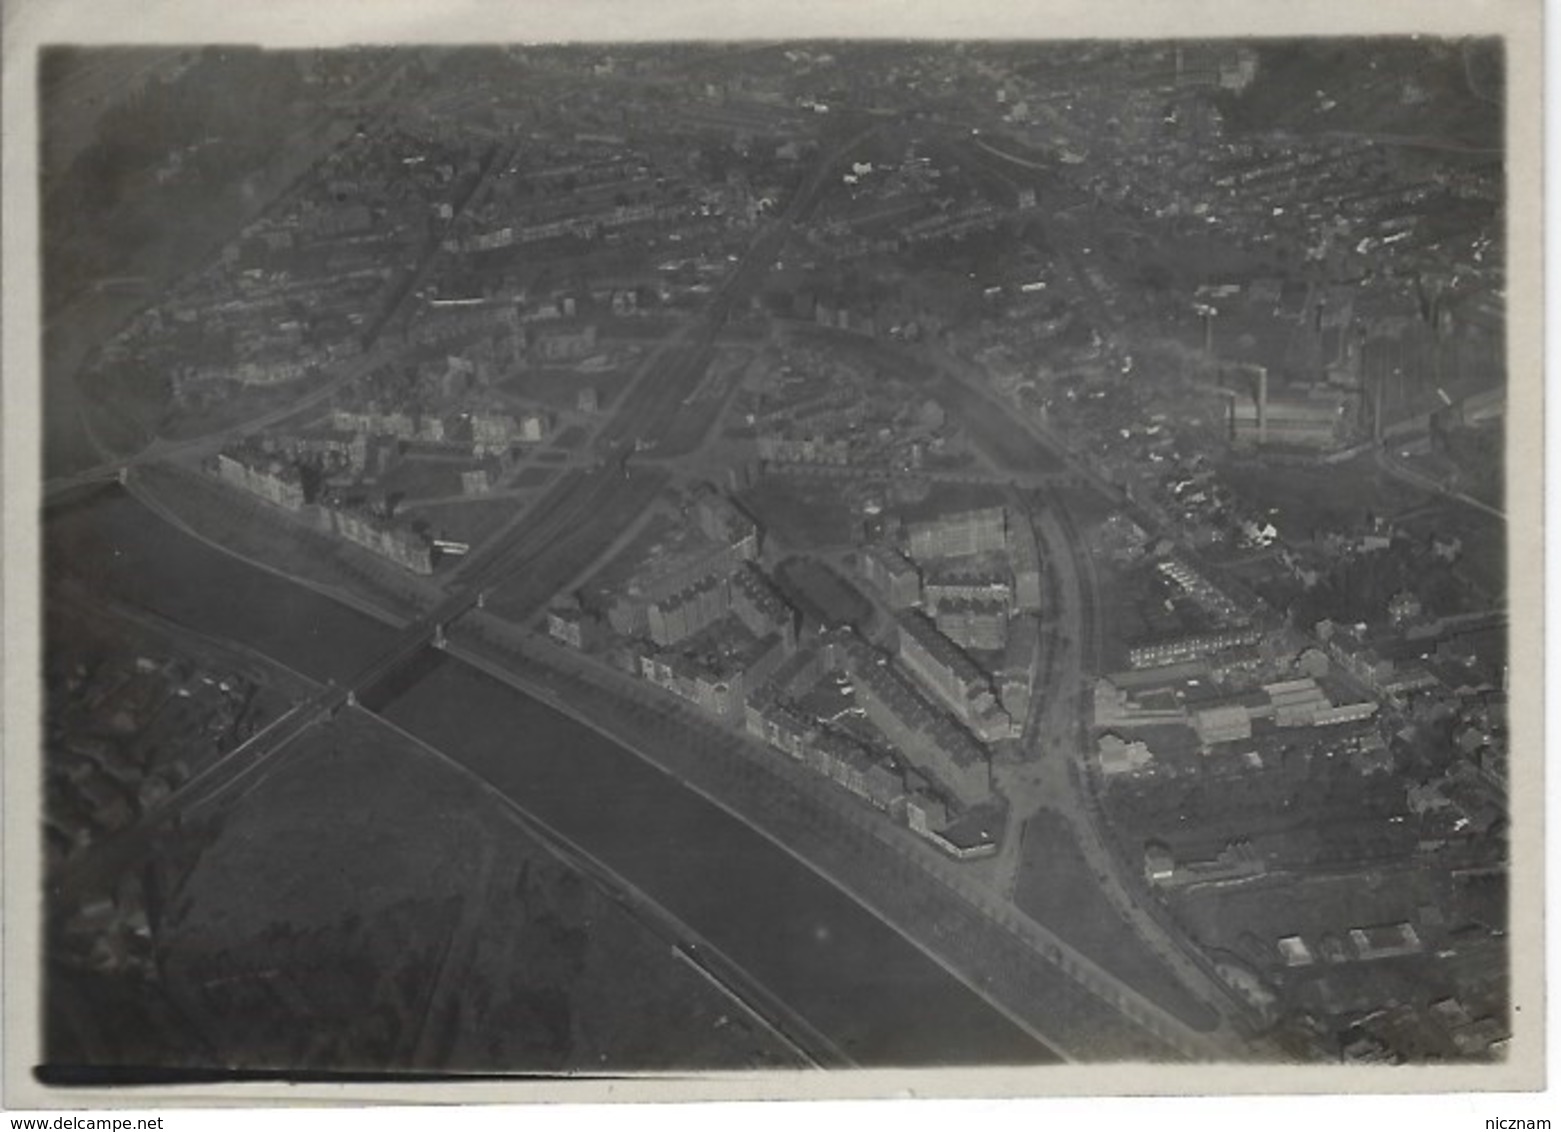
763, 557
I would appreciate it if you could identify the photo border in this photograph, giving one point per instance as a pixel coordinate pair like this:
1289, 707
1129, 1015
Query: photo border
295, 23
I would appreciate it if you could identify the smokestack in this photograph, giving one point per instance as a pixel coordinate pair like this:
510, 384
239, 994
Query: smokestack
1262, 404
1208, 333
1376, 411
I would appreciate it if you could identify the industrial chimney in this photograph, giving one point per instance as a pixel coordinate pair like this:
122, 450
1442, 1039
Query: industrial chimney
1262, 404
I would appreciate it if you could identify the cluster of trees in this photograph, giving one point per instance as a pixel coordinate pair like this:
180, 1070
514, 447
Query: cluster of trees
1359, 587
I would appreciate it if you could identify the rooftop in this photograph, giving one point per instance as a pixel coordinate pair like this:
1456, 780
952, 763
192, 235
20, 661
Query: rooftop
942, 650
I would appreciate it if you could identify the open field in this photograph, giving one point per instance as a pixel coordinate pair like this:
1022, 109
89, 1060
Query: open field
1056, 888
1301, 498
822, 594
801, 512
424, 479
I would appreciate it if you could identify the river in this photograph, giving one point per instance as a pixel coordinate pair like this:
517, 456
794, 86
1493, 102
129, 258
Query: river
833, 962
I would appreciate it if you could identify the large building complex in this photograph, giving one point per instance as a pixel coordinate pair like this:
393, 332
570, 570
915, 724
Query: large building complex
987, 586
974, 623
932, 742
1310, 422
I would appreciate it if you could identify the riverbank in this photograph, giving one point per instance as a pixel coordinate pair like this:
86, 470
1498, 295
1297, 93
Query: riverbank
821, 952
1014, 964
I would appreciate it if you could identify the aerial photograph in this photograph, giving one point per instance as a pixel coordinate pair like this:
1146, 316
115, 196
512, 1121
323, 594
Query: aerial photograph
596, 559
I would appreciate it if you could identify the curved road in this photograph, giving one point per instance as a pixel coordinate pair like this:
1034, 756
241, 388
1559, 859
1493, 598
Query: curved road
1413, 478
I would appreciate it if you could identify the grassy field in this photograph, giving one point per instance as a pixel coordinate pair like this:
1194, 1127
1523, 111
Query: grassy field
1057, 889
822, 594
801, 512
1308, 497
424, 479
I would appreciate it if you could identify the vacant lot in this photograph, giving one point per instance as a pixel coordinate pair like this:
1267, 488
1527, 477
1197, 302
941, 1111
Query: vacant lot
424, 479
1300, 499
802, 512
